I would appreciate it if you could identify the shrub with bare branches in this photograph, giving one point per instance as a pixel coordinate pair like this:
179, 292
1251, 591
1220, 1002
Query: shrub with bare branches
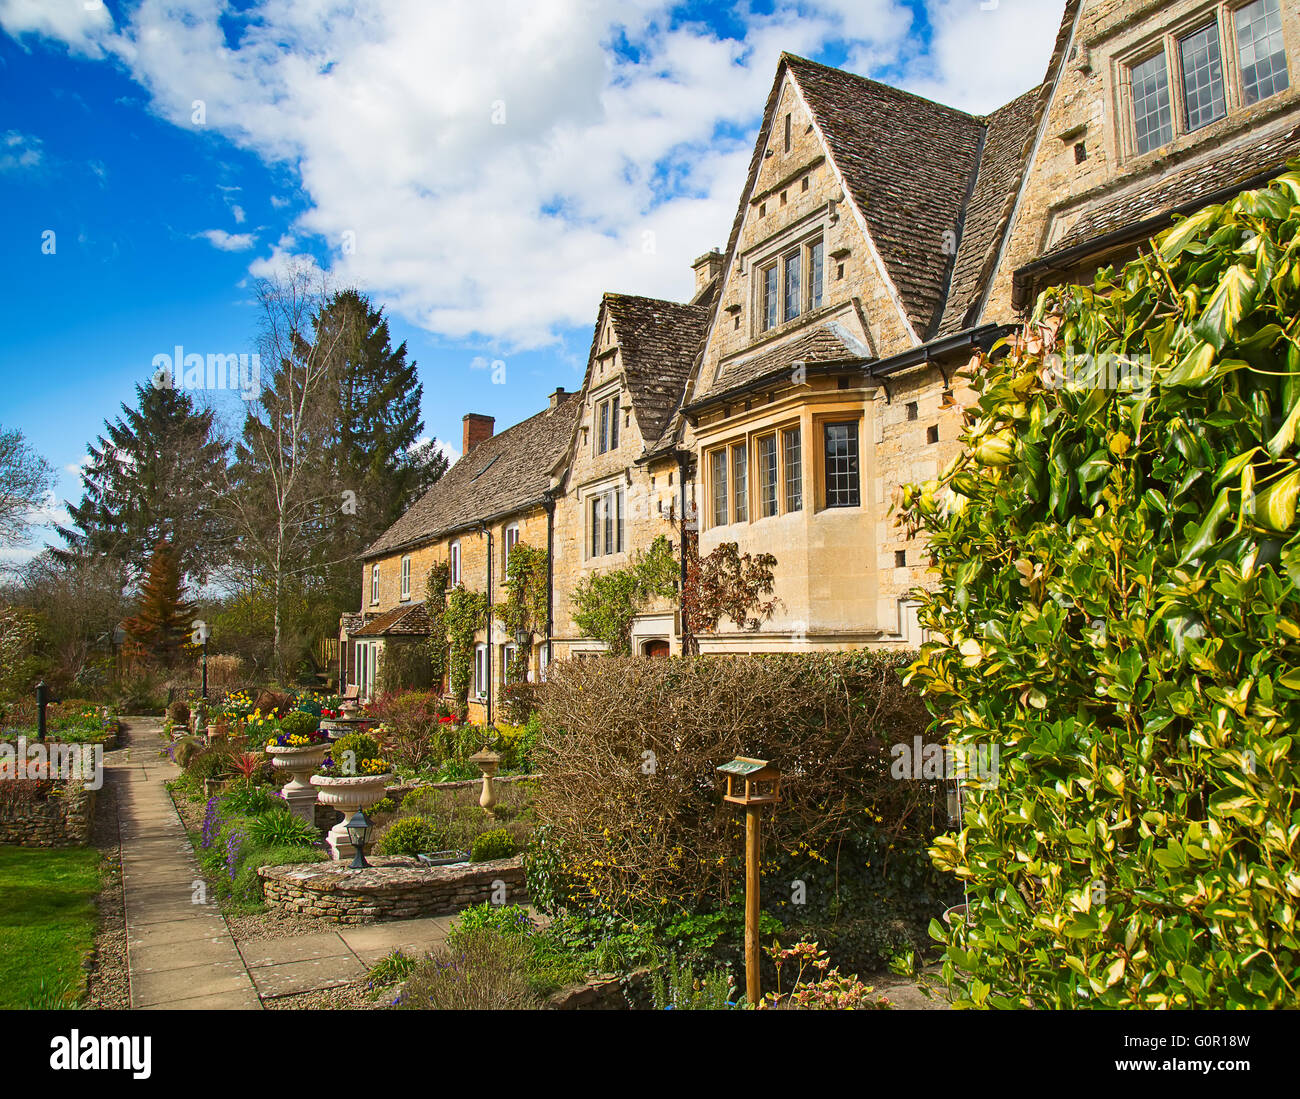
631, 801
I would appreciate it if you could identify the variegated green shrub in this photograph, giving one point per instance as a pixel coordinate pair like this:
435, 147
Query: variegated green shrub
1118, 609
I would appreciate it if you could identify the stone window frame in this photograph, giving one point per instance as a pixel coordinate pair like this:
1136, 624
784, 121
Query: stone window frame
482, 670
1168, 39
507, 544
821, 422
800, 239
604, 420
748, 441
597, 549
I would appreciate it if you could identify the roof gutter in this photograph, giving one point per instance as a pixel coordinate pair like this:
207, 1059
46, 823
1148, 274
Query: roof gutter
1022, 282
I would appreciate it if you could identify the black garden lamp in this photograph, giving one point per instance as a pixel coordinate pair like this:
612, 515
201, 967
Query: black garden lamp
359, 829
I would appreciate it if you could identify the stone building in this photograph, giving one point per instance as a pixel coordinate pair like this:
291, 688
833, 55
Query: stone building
499, 493
879, 241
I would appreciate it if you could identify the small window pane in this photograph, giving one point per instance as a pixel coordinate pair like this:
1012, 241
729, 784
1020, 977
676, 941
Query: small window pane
618, 509
595, 527
1263, 55
842, 465
1151, 115
769, 296
793, 471
791, 287
1202, 76
613, 424
607, 512
740, 478
815, 276
718, 476
767, 476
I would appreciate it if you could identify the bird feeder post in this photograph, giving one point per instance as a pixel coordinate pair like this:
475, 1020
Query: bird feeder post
762, 786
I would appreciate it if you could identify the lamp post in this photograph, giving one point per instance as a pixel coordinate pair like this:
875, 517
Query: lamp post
762, 786
359, 829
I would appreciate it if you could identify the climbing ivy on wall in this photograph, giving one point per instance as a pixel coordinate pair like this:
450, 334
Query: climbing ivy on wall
435, 606
607, 603
525, 603
465, 615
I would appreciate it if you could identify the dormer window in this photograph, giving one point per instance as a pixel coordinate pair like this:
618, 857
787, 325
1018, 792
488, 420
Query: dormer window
607, 425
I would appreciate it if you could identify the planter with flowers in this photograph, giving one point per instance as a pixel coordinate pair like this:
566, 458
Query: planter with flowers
354, 776
298, 749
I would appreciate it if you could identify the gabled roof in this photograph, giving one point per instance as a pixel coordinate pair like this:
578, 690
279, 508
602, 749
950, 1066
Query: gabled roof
908, 163
659, 340
504, 473
1003, 162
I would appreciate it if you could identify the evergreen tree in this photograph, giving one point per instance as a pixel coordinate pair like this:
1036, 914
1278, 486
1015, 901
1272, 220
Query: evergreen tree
162, 623
378, 468
152, 477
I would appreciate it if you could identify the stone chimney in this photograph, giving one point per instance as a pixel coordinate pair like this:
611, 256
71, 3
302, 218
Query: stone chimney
707, 268
557, 397
476, 428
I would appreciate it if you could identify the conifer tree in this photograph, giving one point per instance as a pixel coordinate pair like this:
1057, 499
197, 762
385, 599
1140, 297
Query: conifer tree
152, 476
162, 623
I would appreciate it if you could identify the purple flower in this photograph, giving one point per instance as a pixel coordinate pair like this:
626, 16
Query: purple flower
211, 823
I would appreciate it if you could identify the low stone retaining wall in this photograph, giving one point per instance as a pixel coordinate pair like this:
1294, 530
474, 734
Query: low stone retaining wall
391, 888
630, 991
61, 820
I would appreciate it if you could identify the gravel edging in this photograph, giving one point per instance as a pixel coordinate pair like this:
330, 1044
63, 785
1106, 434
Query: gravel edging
109, 983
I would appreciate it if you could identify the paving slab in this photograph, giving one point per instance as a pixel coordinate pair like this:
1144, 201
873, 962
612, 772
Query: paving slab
295, 948
307, 976
160, 989
370, 942
164, 957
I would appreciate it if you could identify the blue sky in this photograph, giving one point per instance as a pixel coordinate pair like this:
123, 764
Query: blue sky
483, 171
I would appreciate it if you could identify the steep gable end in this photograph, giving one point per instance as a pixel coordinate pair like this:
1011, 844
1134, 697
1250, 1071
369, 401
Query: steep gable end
908, 165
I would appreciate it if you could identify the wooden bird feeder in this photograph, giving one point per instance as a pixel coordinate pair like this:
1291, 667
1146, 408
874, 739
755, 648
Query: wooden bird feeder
762, 781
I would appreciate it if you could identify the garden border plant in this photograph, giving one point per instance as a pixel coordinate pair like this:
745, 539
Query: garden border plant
1118, 559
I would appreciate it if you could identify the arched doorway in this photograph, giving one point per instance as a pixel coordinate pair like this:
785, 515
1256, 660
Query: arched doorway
655, 647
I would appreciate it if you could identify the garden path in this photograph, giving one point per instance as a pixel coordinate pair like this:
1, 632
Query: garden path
180, 952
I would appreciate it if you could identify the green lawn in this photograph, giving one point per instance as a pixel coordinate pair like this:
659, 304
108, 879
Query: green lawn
47, 923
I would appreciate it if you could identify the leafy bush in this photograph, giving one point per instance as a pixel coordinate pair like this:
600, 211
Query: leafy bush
362, 745
208, 763
410, 721
299, 723
509, 919
179, 713
409, 836
1118, 606
487, 971
635, 827
496, 844
280, 828
252, 800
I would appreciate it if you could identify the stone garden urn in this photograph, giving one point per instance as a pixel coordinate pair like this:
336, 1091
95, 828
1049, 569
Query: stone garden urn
298, 763
348, 794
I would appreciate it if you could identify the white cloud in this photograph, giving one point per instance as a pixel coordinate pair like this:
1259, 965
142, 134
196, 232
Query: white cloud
487, 170
981, 59
81, 24
19, 151
228, 242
